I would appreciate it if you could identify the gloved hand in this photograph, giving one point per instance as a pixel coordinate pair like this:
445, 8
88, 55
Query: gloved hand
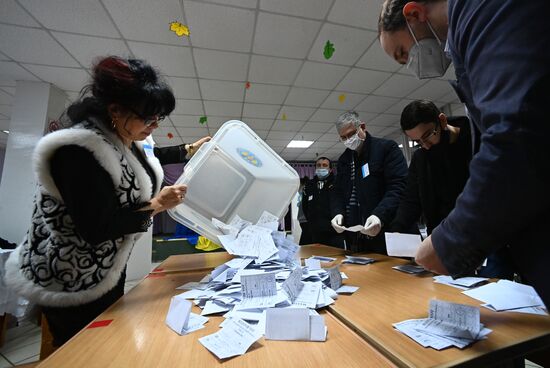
372, 226
336, 223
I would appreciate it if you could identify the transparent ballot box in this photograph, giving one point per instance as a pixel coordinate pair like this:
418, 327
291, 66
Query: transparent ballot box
236, 173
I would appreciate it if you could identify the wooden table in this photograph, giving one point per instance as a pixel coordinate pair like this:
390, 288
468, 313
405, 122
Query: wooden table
209, 261
387, 296
138, 337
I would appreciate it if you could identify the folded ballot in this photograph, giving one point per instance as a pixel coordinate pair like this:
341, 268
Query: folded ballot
294, 324
180, 319
448, 324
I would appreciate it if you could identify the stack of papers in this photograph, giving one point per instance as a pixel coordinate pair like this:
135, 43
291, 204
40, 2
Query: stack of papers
463, 283
402, 245
265, 275
509, 296
449, 324
358, 260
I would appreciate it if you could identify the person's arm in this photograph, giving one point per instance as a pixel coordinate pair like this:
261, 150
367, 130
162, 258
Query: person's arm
171, 155
410, 207
395, 176
89, 195
509, 74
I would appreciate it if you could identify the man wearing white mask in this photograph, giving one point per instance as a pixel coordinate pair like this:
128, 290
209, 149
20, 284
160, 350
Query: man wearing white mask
317, 199
370, 180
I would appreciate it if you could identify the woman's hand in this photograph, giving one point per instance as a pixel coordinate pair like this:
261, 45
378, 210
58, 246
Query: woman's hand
169, 197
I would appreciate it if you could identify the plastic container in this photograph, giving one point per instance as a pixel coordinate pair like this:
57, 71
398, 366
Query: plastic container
236, 173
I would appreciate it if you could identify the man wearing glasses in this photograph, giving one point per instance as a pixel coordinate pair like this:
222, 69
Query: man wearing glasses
370, 181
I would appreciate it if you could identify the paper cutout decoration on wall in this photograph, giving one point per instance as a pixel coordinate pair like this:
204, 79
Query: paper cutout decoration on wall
329, 50
283, 117
342, 98
179, 29
247, 85
203, 120
170, 135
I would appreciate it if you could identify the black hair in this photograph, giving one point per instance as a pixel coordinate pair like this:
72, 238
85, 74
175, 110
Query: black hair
130, 83
418, 112
324, 158
391, 17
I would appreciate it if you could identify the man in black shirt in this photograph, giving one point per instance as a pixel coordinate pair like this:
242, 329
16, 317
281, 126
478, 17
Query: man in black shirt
438, 172
316, 205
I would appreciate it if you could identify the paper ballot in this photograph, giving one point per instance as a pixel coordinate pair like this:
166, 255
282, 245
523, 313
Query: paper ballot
180, 319
335, 277
312, 263
448, 324
402, 245
294, 324
233, 339
293, 284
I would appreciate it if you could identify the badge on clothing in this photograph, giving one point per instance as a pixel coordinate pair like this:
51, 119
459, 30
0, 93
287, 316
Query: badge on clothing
310, 198
365, 170
148, 150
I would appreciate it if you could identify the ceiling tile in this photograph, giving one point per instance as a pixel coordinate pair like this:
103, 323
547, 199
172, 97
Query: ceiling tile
375, 129
367, 116
349, 44
359, 13
192, 132
398, 107
296, 113
222, 65
307, 156
219, 108
87, 49
449, 97
318, 145
79, 16
221, 90
385, 120
5, 110
376, 103
277, 143
166, 142
458, 110
319, 75
170, 60
287, 126
399, 86
281, 135
307, 136
264, 93
214, 122
375, 58
219, 27
317, 127
331, 137
72, 95
261, 124
326, 116
261, 133
433, 90
243, 3
268, 69
188, 121
362, 80
64, 78
11, 12
306, 8
33, 46
252, 110
6, 98
4, 124
306, 97
188, 107
281, 35
350, 100
184, 88
147, 20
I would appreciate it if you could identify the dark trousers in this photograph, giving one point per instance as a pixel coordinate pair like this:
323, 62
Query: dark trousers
360, 243
65, 322
331, 238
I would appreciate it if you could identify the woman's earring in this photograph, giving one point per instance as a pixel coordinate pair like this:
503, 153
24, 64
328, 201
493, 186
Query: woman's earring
113, 123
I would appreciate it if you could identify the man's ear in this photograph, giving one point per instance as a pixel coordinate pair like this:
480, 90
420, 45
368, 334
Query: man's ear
415, 12
443, 120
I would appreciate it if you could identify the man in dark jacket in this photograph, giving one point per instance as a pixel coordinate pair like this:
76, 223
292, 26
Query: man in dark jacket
370, 181
500, 51
316, 204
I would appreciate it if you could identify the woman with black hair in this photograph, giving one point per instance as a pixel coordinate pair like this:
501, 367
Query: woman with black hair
98, 188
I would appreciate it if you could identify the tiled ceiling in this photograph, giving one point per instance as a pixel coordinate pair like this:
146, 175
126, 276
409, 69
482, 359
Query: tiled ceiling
276, 45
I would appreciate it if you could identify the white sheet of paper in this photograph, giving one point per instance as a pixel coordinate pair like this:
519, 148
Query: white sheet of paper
354, 228
258, 285
239, 262
335, 277
402, 245
233, 339
194, 323
309, 295
504, 295
261, 301
317, 328
324, 259
293, 284
463, 283
312, 264
212, 307
178, 313
347, 289
196, 294
287, 324
465, 317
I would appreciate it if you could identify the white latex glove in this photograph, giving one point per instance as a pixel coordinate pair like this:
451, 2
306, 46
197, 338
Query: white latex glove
372, 226
336, 223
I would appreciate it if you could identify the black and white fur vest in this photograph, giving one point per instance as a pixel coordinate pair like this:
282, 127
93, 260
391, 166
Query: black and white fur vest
54, 266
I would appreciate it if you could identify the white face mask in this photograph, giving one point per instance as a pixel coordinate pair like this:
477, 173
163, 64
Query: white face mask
427, 57
354, 141
321, 173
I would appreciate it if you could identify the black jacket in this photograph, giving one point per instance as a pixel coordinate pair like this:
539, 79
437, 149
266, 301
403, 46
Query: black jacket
379, 192
436, 178
317, 202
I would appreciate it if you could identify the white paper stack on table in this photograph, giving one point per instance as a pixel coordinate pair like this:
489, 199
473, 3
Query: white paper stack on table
463, 283
402, 245
265, 275
509, 296
358, 260
448, 324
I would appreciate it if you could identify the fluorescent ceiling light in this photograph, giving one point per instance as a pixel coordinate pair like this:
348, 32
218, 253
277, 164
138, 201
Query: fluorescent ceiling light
6, 131
299, 144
